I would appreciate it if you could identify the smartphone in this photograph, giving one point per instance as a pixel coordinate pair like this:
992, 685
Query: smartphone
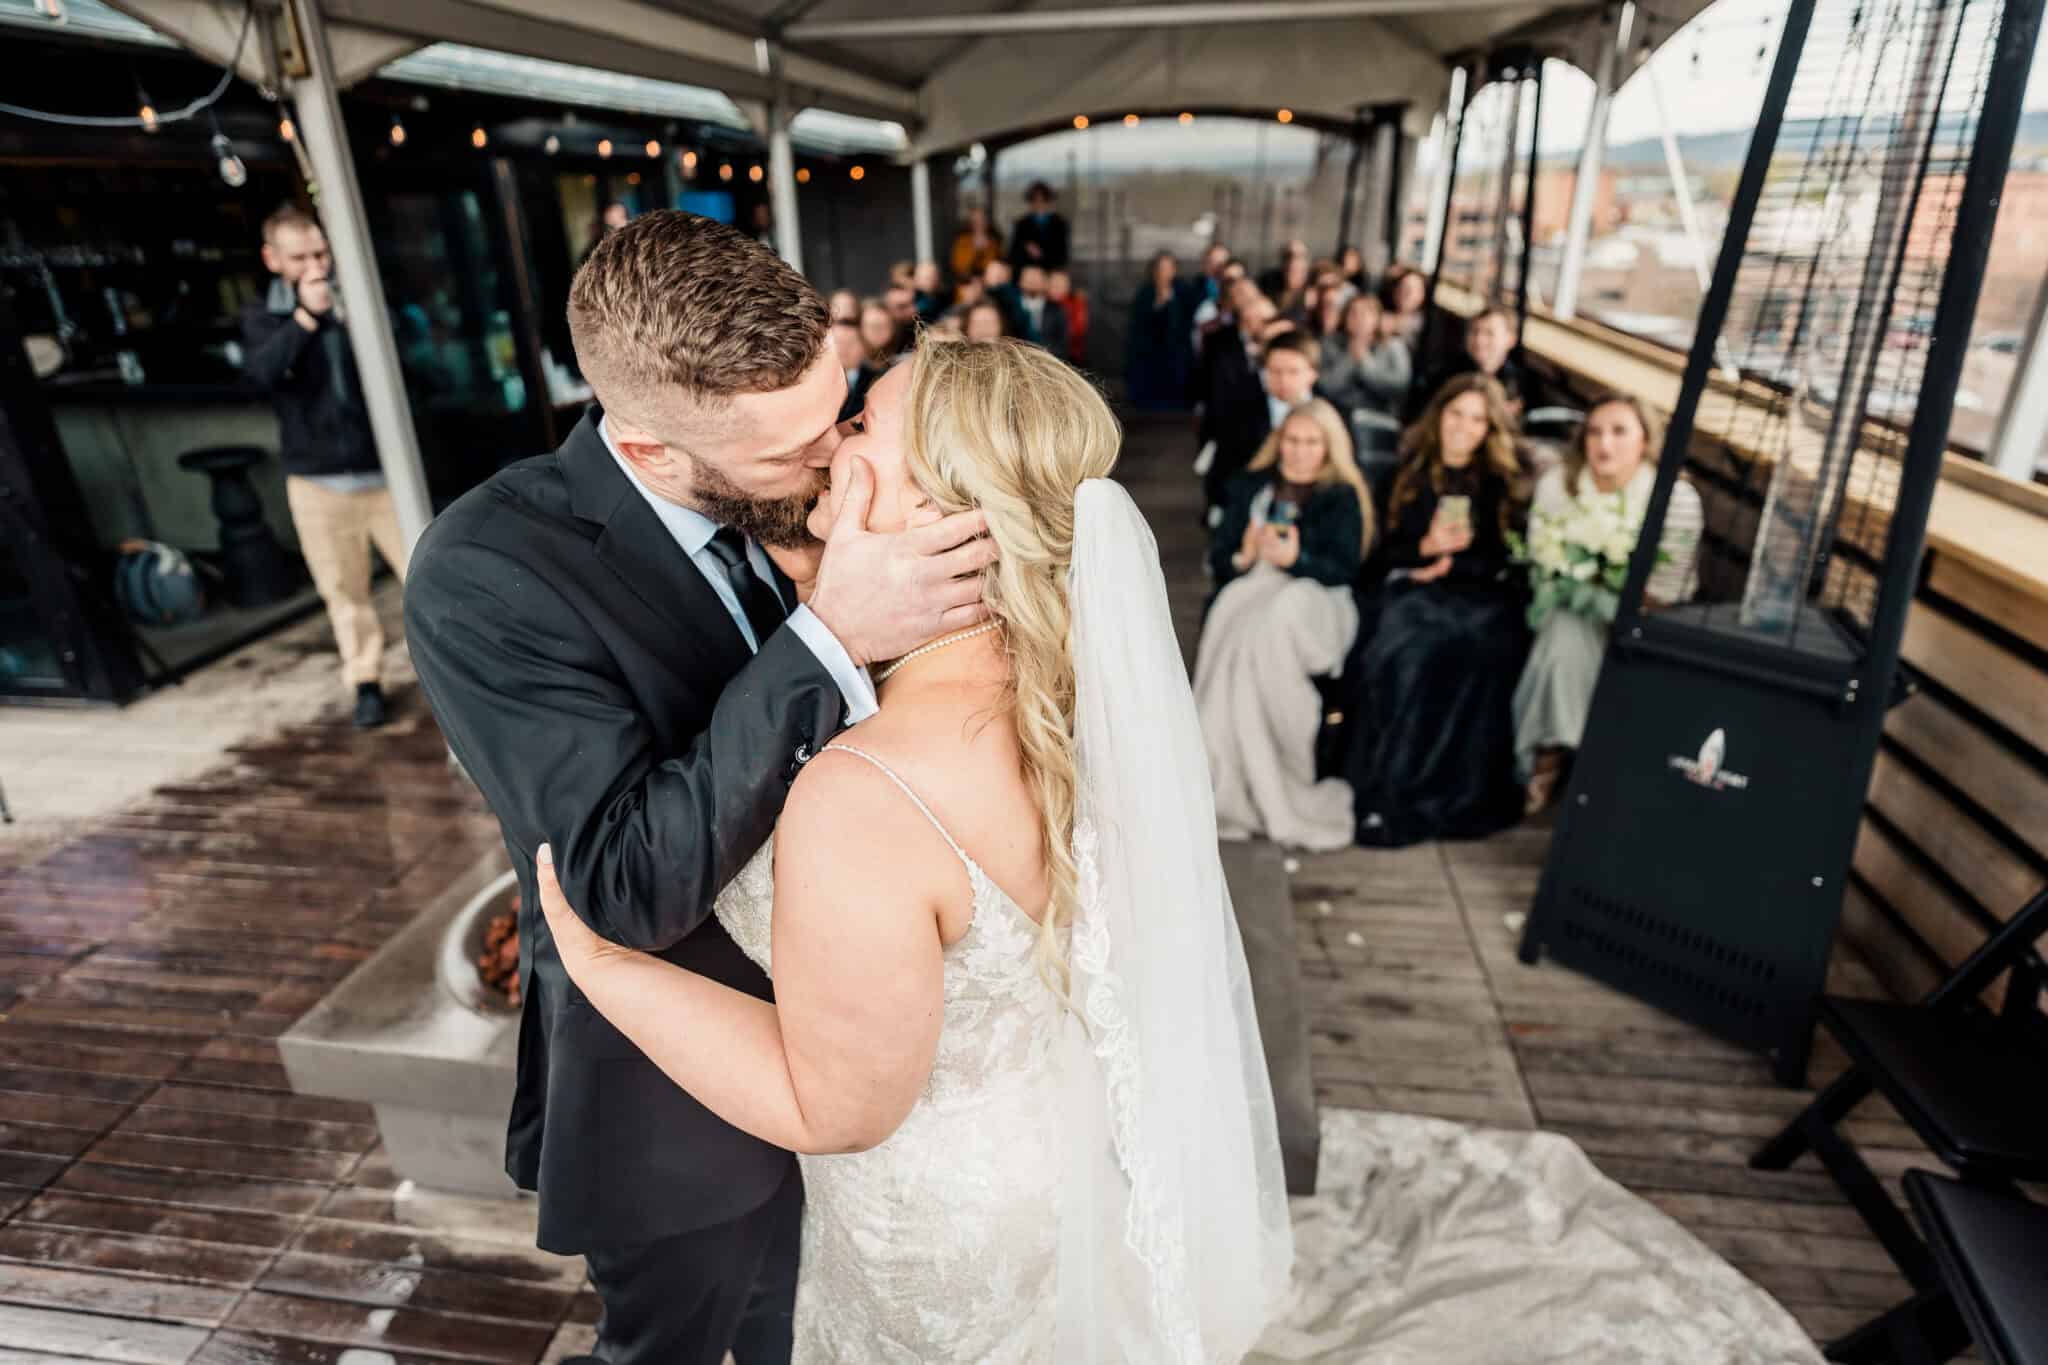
1455, 510
1282, 513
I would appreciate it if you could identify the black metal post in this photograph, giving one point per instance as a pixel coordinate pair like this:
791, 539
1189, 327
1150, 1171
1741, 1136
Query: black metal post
1529, 212
526, 295
1427, 357
1350, 189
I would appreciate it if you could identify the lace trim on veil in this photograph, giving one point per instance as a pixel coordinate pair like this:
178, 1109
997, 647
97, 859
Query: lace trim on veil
1152, 1230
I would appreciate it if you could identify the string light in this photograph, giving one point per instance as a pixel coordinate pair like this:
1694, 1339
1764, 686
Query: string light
754, 174
231, 168
604, 147
1080, 121
552, 145
653, 149
803, 175
286, 130
1130, 120
633, 179
725, 170
1285, 116
147, 113
690, 161
1186, 117
478, 138
397, 131
859, 173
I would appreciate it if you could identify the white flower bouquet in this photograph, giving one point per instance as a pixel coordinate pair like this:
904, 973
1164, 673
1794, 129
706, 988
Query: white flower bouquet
1577, 556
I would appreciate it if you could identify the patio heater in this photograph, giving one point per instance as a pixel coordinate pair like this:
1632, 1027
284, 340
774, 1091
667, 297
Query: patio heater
1700, 858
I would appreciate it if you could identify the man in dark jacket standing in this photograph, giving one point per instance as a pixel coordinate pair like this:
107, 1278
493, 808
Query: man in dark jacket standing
296, 348
1040, 236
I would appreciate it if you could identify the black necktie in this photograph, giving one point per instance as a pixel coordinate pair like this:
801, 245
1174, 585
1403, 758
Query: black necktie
760, 602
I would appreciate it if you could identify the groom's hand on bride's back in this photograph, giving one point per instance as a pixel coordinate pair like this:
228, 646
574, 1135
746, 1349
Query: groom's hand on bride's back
884, 594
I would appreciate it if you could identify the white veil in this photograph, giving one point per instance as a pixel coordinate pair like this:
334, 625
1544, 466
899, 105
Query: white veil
1175, 1244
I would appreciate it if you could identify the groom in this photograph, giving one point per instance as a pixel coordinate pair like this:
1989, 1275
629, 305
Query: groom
611, 640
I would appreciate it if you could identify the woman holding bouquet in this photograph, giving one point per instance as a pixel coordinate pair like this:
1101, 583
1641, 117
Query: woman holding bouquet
1285, 554
1430, 752
1583, 526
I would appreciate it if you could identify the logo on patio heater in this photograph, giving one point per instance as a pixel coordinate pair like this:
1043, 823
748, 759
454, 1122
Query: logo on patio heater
1706, 769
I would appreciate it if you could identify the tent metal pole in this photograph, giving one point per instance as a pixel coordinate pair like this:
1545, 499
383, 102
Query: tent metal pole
921, 209
1586, 183
2016, 448
325, 136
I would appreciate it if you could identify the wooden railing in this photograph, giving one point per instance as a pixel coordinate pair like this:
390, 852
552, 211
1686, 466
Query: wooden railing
1955, 830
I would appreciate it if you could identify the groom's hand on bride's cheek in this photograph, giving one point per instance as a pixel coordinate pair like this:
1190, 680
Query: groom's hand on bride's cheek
883, 595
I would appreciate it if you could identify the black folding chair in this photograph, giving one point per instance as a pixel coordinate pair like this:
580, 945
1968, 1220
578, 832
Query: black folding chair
1966, 1080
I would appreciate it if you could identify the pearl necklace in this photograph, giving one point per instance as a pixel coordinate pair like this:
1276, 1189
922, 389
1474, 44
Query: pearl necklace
934, 646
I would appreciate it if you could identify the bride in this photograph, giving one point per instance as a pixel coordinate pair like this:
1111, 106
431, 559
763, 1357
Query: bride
1012, 1038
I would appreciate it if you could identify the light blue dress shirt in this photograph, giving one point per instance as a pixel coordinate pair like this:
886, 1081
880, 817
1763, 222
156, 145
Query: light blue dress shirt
693, 530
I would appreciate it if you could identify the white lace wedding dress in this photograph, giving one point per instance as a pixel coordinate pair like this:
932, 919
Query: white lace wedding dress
941, 1243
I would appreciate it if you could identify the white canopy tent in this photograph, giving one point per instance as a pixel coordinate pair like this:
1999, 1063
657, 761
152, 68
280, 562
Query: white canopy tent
951, 72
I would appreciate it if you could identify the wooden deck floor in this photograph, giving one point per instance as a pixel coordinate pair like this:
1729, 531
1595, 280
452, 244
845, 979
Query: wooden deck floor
165, 1199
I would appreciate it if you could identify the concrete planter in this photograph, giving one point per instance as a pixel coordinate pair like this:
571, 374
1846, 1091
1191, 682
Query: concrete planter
414, 1033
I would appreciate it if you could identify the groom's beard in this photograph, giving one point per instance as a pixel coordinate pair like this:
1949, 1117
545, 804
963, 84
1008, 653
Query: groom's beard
781, 522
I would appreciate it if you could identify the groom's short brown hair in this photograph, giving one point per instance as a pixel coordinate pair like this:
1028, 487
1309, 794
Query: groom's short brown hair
673, 314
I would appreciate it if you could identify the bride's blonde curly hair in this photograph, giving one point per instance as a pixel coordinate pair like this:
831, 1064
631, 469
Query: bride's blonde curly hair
1005, 427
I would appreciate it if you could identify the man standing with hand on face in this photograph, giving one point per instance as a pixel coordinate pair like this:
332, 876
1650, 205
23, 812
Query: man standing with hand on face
634, 646
296, 347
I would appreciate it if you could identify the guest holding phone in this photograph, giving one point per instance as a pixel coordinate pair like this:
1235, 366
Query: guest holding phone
1294, 531
1430, 749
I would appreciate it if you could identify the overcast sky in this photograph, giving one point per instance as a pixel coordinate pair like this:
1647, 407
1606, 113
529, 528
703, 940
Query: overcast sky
1719, 93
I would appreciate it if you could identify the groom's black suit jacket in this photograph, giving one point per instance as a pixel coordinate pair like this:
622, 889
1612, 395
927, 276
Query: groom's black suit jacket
596, 689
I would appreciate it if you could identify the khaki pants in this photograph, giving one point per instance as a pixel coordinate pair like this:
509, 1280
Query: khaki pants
336, 531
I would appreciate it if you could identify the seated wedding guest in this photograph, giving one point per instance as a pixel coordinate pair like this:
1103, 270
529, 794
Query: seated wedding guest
1285, 555
1328, 320
1225, 377
1430, 752
1274, 281
1365, 367
1607, 475
1040, 236
969, 292
861, 370
1352, 262
879, 333
1217, 310
929, 296
901, 301
985, 322
1045, 322
1489, 350
998, 282
974, 245
1157, 356
1404, 294
1296, 294
1287, 373
844, 306
951, 323
902, 275
1059, 287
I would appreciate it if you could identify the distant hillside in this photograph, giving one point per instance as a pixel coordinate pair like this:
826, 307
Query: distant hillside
1718, 151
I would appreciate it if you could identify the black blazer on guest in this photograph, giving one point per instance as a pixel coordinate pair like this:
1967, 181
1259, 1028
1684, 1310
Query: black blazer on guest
1332, 529
1235, 414
593, 684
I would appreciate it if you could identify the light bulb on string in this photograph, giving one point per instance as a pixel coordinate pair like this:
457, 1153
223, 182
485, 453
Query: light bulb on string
725, 170
397, 131
754, 174
803, 175
690, 162
858, 173
653, 149
231, 168
147, 113
1130, 120
552, 145
604, 147
1285, 116
287, 130
1080, 121
478, 138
